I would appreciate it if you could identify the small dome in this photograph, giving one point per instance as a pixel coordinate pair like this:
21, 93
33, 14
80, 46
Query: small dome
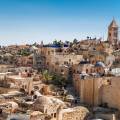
99, 64
43, 100
14, 105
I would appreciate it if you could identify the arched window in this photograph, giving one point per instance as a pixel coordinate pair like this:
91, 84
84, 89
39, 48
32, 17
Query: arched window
86, 70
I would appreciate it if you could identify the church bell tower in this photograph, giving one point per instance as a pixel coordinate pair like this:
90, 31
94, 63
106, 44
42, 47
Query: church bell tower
113, 33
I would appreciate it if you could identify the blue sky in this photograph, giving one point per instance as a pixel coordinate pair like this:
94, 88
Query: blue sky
29, 21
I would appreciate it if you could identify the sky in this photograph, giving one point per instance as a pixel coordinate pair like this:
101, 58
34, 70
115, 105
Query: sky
29, 21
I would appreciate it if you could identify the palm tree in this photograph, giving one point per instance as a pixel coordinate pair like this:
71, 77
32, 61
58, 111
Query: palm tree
46, 76
58, 43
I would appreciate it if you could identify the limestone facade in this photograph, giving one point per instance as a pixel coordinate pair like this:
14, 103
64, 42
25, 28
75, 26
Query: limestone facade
113, 33
58, 62
76, 113
97, 91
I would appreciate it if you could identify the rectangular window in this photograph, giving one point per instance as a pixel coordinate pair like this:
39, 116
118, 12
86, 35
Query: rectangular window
65, 62
69, 60
57, 63
115, 29
48, 52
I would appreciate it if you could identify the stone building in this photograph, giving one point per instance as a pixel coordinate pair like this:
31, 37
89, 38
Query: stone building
20, 81
61, 63
25, 61
3, 79
97, 91
48, 105
37, 115
5, 68
76, 113
89, 69
38, 58
56, 60
113, 33
117, 58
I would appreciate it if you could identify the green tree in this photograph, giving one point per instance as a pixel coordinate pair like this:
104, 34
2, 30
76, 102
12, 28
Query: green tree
46, 76
24, 52
75, 41
59, 80
55, 42
58, 43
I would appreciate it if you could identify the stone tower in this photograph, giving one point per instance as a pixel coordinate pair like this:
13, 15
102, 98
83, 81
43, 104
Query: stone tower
113, 33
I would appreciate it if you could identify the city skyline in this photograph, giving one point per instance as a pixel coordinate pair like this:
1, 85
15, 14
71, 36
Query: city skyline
29, 21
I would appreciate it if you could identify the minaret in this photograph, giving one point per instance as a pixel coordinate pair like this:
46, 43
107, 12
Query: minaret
113, 33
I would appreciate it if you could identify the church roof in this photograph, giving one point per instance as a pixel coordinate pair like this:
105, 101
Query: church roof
113, 23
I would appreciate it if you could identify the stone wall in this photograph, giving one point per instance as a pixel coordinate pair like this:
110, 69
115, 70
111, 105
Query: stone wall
77, 113
87, 89
96, 91
111, 93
